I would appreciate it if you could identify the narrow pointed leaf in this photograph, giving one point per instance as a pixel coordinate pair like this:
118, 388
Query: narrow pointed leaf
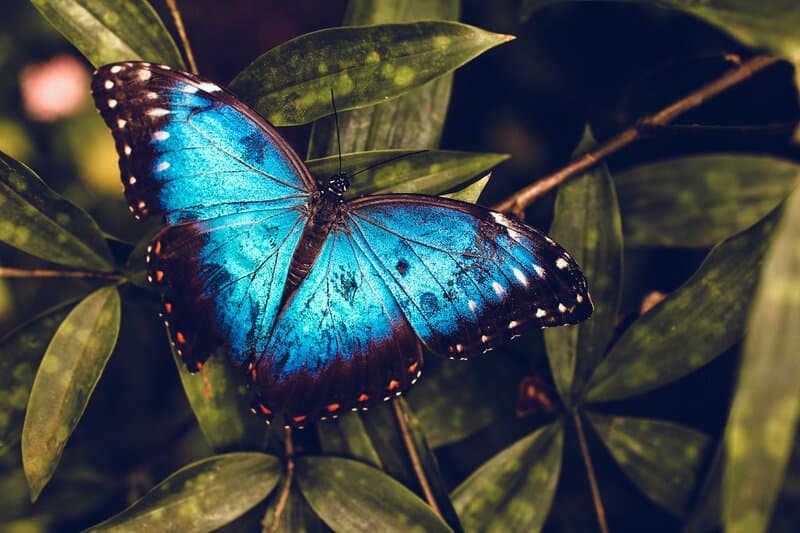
764, 415
70, 369
291, 84
202, 496
414, 120
472, 192
296, 516
698, 201
351, 496
513, 491
407, 171
20, 354
38, 221
661, 458
348, 437
692, 326
106, 31
587, 223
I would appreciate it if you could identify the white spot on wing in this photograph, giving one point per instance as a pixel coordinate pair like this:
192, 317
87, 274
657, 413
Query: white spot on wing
132, 180
579, 298
498, 288
145, 75
209, 87
141, 204
513, 324
472, 305
116, 69
562, 308
500, 218
549, 240
161, 135
108, 84
152, 95
112, 103
520, 276
191, 89
127, 149
158, 112
561, 263
539, 270
540, 313
121, 123
164, 165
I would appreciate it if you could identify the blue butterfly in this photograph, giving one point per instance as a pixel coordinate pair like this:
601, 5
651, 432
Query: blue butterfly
327, 302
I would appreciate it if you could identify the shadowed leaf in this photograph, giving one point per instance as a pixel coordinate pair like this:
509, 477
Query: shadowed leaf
587, 223
764, 414
414, 120
70, 369
347, 436
692, 326
664, 203
513, 491
363, 66
202, 496
661, 458
351, 496
296, 517
38, 221
106, 31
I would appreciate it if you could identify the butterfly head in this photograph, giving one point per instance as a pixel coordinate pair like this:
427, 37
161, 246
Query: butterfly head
335, 185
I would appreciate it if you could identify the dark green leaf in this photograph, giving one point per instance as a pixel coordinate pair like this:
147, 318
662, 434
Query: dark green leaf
381, 425
692, 326
471, 192
20, 353
220, 400
351, 496
291, 84
106, 31
347, 436
414, 120
296, 517
70, 369
764, 414
513, 491
38, 221
587, 223
202, 496
661, 458
408, 171
664, 203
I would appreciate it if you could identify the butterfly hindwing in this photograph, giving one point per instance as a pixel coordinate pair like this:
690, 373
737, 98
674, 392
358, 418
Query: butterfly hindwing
189, 149
464, 276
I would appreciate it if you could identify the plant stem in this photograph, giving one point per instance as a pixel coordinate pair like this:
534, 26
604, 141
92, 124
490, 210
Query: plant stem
587, 460
776, 129
6, 272
287, 481
176, 16
519, 201
416, 464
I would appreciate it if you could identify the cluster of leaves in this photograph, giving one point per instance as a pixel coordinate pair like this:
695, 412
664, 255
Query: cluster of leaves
359, 475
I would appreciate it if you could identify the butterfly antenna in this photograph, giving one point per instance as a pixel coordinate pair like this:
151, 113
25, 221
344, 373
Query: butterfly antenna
338, 132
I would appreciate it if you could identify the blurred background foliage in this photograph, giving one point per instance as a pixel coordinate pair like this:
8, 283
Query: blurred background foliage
572, 64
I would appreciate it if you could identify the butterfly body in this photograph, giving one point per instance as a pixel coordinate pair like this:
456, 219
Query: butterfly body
327, 302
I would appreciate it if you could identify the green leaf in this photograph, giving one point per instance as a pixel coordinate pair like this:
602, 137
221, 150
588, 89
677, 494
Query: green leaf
664, 203
472, 192
351, 496
764, 414
70, 369
771, 24
414, 120
106, 31
220, 400
587, 223
291, 84
690, 327
38, 221
202, 496
661, 458
296, 517
20, 354
513, 491
407, 171
348, 437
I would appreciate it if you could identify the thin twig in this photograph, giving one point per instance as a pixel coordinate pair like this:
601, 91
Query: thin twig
287, 481
519, 201
714, 130
416, 463
6, 272
176, 16
587, 460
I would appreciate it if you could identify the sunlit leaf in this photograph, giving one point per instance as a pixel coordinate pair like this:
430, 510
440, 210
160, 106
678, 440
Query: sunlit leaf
351, 496
764, 414
513, 491
661, 458
296, 516
70, 369
202, 496
348, 437
587, 223
20, 354
407, 171
700, 200
692, 326
414, 120
106, 31
291, 84
472, 192
38, 221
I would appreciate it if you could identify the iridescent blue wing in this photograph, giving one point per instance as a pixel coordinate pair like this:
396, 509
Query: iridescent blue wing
341, 343
466, 277
233, 189
191, 150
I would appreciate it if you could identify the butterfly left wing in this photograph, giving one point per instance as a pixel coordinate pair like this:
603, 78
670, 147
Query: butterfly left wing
466, 277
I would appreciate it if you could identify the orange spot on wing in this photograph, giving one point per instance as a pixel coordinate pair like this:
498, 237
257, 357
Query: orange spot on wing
413, 368
159, 275
299, 419
167, 307
180, 338
157, 248
393, 385
363, 398
198, 365
333, 407
264, 409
